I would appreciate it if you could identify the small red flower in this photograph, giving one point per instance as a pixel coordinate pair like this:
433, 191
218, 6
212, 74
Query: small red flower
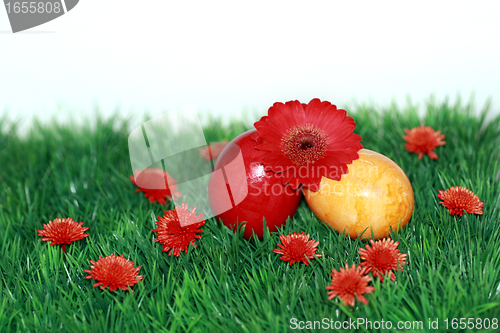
213, 151
156, 184
178, 228
382, 258
350, 282
457, 199
423, 140
115, 272
297, 248
62, 231
303, 142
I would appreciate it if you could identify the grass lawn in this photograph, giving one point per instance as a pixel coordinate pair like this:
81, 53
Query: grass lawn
229, 284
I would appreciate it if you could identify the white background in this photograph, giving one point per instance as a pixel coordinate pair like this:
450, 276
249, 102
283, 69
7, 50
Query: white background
226, 56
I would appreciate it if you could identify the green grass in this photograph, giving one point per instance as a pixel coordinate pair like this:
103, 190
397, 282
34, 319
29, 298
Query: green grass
229, 284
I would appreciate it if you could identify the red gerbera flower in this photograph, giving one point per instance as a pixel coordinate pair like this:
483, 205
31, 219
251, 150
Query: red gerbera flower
115, 272
156, 184
213, 151
350, 282
423, 140
297, 248
457, 199
62, 231
382, 257
303, 142
178, 228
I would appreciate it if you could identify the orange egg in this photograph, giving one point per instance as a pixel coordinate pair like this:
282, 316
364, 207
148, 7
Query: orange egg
373, 197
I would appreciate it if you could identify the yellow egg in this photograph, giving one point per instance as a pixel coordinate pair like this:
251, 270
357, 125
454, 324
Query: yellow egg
373, 197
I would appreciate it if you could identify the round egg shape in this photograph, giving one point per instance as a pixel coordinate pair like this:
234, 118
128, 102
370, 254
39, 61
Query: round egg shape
372, 199
240, 190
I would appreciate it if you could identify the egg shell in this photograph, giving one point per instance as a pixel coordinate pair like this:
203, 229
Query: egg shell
252, 194
373, 197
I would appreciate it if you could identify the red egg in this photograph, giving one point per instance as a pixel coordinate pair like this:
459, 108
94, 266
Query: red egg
240, 190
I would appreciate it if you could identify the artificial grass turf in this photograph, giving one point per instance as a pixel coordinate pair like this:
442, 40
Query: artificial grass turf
229, 284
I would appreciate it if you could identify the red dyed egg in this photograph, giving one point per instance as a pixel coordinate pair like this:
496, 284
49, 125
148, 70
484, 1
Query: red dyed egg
242, 191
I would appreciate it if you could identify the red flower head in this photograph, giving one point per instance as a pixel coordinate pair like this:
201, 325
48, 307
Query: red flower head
178, 228
156, 184
213, 151
303, 142
382, 257
297, 248
62, 231
423, 140
115, 272
349, 282
458, 198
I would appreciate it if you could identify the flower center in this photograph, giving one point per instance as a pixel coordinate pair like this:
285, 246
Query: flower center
304, 143
385, 260
462, 200
350, 285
